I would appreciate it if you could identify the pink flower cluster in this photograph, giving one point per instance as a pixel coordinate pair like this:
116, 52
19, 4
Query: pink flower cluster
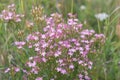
68, 44
19, 44
15, 69
10, 14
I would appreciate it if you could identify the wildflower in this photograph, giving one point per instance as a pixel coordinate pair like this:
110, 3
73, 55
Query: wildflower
52, 79
70, 53
60, 61
29, 24
31, 64
80, 76
38, 13
71, 66
72, 50
25, 71
87, 78
20, 33
63, 44
12, 6
80, 61
17, 69
57, 53
37, 49
74, 59
9, 14
32, 37
57, 18
39, 78
43, 36
7, 70
82, 7
58, 69
101, 16
44, 45
20, 44
30, 58
35, 70
63, 71
44, 60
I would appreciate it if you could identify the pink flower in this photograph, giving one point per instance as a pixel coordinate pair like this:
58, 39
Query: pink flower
43, 59
74, 59
25, 71
31, 64
63, 71
20, 44
44, 45
39, 78
80, 76
7, 70
57, 53
60, 61
82, 36
87, 78
43, 53
71, 66
58, 69
35, 70
32, 37
72, 50
10, 14
70, 53
17, 69
43, 36
11, 6
30, 46
37, 49
80, 62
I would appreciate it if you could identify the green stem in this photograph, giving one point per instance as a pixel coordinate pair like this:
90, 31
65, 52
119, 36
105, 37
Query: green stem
22, 5
99, 30
72, 6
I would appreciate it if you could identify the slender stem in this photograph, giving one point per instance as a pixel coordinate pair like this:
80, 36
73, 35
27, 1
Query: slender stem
22, 5
99, 29
72, 6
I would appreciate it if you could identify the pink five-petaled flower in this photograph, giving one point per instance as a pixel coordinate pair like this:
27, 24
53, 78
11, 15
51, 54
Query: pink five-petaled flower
20, 44
32, 37
31, 64
80, 76
39, 78
57, 53
35, 70
7, 70
71, 66
17, 69
58, 69
63, 71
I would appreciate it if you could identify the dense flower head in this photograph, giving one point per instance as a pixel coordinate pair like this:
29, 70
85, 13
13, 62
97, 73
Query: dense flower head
66, 44
10, 14
38, 13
